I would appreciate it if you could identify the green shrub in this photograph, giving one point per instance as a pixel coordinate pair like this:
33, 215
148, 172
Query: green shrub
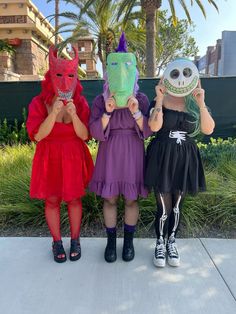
13, 134
216, 207
218, 149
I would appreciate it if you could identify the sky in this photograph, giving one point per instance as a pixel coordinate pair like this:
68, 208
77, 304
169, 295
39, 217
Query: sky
206, 32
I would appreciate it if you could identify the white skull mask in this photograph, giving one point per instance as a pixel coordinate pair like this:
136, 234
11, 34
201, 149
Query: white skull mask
180, 77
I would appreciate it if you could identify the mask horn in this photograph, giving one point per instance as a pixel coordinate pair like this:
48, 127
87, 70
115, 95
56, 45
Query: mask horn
76, 57
52, 53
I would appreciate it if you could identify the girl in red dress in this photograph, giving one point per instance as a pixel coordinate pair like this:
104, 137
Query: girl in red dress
62, 165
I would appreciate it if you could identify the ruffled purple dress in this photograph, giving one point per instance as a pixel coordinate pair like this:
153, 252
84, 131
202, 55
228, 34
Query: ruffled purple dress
119, 167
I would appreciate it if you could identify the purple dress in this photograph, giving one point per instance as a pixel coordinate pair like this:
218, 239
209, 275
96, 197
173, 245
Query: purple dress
119, 167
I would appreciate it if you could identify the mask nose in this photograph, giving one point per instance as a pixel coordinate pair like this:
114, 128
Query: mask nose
181, 80
122, 78
121, 83
66, 82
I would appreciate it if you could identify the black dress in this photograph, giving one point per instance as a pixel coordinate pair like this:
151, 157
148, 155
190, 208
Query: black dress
173, 161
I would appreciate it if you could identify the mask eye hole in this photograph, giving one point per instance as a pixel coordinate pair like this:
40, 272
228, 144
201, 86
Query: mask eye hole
174, 74
59, 74
187, 72
114, 63
71, 75
128, 63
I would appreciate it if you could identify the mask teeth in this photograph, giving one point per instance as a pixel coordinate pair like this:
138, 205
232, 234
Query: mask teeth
65, 96
180, 90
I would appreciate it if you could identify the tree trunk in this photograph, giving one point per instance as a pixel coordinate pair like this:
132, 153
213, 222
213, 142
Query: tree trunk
100, 54
150, 43
56, 20
150, 8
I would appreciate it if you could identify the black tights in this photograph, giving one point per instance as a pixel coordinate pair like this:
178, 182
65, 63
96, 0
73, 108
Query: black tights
168, 213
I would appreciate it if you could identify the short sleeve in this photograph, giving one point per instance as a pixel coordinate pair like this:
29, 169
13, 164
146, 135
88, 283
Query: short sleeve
37, 113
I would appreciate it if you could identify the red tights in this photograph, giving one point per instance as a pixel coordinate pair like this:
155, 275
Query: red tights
52, 213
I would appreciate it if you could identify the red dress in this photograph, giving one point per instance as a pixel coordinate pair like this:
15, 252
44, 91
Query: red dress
62, 164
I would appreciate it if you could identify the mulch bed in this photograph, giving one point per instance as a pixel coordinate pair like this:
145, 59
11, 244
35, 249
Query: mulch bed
98, 231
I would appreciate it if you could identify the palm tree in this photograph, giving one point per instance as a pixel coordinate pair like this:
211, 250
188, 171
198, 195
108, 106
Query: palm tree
151, 8
104, 27
56, 19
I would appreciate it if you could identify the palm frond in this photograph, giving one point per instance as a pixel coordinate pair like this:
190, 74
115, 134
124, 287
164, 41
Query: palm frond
186, 11
172, 9
214, 4
126, 7
199, 3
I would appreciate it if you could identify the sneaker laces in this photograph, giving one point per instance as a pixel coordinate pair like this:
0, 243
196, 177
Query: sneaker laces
172, 249
160, 250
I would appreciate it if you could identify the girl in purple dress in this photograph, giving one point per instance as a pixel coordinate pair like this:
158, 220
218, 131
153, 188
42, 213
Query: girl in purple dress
118, 121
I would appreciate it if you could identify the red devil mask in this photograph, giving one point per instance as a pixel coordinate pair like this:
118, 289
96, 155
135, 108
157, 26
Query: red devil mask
63, 74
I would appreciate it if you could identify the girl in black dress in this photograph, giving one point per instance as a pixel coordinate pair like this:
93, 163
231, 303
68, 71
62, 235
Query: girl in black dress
173, 164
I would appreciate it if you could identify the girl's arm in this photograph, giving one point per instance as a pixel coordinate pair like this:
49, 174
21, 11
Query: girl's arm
207, 123
99, 125
133, 106
110, 105
80, 129
156, 115
47, 125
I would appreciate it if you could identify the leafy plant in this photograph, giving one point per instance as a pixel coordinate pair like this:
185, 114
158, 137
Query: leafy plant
214, 208
4, 46
13, 134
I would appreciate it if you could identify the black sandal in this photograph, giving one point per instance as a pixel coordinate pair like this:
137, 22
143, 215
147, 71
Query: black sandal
75, 249
58, 249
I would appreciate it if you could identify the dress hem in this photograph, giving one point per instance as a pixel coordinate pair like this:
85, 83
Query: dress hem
176, 190
129, 190
63, 199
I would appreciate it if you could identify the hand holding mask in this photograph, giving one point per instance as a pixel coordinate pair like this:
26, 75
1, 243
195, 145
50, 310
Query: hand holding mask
160, 91
133, 104
70, 108
110, 104
199, 95
57, 106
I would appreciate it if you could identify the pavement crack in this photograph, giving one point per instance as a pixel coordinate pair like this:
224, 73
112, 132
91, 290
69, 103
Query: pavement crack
218, 270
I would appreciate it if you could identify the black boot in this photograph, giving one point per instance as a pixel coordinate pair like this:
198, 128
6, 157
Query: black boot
110, 251
128, 247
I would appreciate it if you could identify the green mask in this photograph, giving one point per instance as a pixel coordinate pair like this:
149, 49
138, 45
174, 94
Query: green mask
121, 72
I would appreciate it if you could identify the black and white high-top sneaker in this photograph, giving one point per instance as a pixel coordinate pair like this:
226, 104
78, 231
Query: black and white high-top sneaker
172, 252
159, 258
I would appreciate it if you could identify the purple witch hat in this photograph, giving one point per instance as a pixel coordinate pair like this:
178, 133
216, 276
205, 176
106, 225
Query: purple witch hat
122, 47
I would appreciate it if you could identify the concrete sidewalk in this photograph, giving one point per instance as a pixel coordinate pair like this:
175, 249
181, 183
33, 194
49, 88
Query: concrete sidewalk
32, 283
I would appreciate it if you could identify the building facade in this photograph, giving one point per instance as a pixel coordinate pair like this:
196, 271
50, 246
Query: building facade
219, 59
87, 57
27, 30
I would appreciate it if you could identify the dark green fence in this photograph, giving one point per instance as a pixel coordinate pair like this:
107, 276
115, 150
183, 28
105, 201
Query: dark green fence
220, 97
